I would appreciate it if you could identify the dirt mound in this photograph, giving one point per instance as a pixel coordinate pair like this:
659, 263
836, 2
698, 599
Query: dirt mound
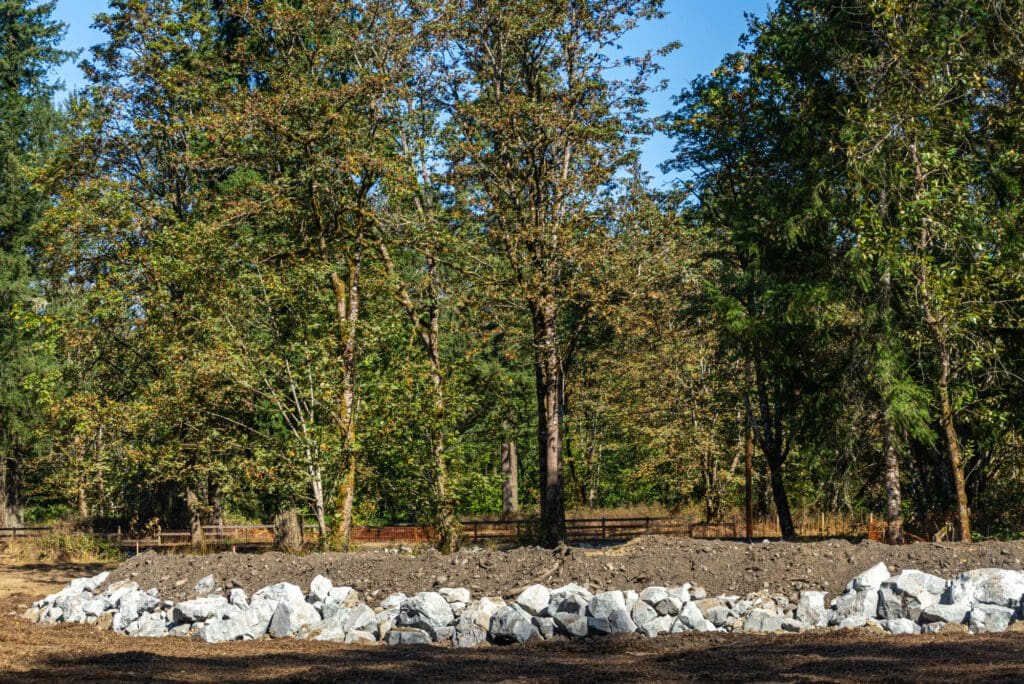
720, 567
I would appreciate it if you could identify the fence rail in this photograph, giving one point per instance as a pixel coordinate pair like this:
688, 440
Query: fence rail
255, 537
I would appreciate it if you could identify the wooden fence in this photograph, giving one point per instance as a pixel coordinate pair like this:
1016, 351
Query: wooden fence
579, 530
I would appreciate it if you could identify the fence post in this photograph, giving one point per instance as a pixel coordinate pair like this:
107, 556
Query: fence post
604, 529
476, 531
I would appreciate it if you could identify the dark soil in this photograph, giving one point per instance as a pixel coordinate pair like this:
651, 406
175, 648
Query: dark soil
720, 567
35, 653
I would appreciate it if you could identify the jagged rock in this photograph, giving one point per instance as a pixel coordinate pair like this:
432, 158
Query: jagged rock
511, 624
608, 614
467, 632
762, 621
907, 594
810, 608
407, 636
993, 586
853, 622
794, 625
89, 583
568, 603
118, 589
642, 614
428, 611
682, 593
691, 619
456, 595
659, 625
863, 603
206, 585
238, 598
357, 636
290, 617
720, 616
986, 617
393, 601
148, 625
534, 599
332, 628
871, 578
572, 588
320, 588
670, 605
653, 595
942, 612
344, 596
572, 624
282, 591
900, 626
545, 626
200, 609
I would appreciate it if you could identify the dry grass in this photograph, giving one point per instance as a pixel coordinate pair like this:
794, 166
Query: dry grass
61, 545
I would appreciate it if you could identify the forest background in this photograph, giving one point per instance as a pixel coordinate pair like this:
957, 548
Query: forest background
335, 258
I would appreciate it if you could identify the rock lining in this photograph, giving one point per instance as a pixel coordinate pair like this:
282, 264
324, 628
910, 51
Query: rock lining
911, 602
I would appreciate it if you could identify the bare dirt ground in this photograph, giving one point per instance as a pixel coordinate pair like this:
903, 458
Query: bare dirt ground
33, 653
720, 567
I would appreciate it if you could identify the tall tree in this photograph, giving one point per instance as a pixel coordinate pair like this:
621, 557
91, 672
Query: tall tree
28, 51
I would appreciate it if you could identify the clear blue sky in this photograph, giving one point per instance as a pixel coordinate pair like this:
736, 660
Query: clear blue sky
708, 29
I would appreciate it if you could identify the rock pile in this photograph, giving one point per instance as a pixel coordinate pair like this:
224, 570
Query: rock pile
912, 602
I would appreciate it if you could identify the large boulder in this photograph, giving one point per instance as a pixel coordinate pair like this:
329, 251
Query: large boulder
608, 614
986, 617
428, 611
953, 613
810, 608
200, 609
512, 624
319, 588
282, 591
89, 583
407, 636
855, 604
993, 586
759, 620
907, 594
871, 578
290, 617
691, 619
534, 599
572, 624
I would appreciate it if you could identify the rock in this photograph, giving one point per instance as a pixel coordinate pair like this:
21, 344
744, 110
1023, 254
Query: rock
534, 599
659, 625
428, 611
456, 595
682, 593
571, 603
282, 591
691, 619
50, 615
290, 617
608, 614
545, 626
810, 608
89, 583
510, 625
900, 626
720, 616
574, 589
331, 628
118, 589
345, 596
361, 619
863, 603
988, 585
642, 613
483, 610
853, 622
320, 588
468, 632
238, 598
393, 601
357, 636
794, 625
762, 621
871, 578
986, 617
200, 609
653, 595
944, 628
907, 594
572, 624
148, 625
407, 636
206, 585
670, 605
942, 612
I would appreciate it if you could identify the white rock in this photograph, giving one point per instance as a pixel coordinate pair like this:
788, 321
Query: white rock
455, 595
200, 609
289, 618
871, 578
319, 588
428, 611
534, 599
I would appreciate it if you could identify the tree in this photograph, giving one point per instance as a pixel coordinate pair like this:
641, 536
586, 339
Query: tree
28, 51
541, 131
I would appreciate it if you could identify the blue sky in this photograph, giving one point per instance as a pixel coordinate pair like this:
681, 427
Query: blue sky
708, 29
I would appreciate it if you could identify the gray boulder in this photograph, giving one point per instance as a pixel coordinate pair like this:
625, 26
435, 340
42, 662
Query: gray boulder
871, 578
206, 585
534, 599
148, 625
89, 583
900, 626
200, 609
427, 611
608, 614
512, 625
993, 586
985, 617
642, 614
810, 608
467, 632
545, 626
762, 621
653, 595
572, 624
691, 619
455, 595
863, 603
943, 612
238, 598
290, 617
282, 591
319, 588
407, 636
360, 637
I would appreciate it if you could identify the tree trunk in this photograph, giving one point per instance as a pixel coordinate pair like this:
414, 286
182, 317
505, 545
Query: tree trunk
510, 484
347, 302
893, 496
781, 499
216, 504
11, 512
195, 520
549, 428
317, 485
956, 465
748, 472
288, 531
